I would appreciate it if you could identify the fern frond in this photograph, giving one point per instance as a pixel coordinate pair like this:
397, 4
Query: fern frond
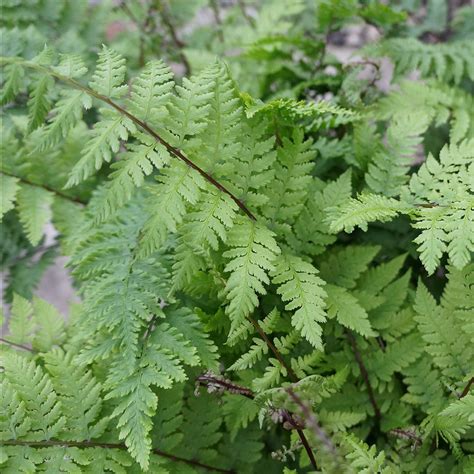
445, 339
129, 173
13, 84
150, 93
449, 61
104, 140
80, 396
34, 209
109, 74
35, 389
65, 115
362, 458
189, 108
292, 179
317, 114
202, 230
311, 228
250, 259
343, 266
448, 226
39, 103
360, 211
9, 191
223, 131
302, 290
178, 186
191, 328
254, 164
348, 311
389, 168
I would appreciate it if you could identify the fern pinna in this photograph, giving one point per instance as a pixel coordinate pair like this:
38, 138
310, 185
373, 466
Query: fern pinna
259, 279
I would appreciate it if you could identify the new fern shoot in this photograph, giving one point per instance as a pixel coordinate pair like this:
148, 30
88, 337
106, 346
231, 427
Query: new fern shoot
272, 252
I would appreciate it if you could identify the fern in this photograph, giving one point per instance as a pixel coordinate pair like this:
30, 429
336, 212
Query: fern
34, 211
450, 62
9, 191
237, 312
303, 291
253, 250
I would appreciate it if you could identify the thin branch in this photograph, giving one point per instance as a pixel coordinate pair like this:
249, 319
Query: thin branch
243, 9
45, 187
122, 447
467, 388
407, 434
19, 346
165, 18
171, 149
224, 385
312, 423
275, 351
218, 383
217, 18
364, 373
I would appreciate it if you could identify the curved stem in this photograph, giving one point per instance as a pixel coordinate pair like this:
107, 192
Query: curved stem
45, 187
14, 344
143, 125
91, 444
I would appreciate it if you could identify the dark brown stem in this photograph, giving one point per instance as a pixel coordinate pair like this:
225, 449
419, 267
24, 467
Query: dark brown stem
47, 188
407, 434
245, 14
14, 344
215, 382
467, 388
312, 423
364, 373
165, 18
275, 351
293, 378
217, 18
171, 149
210, 380
91, 444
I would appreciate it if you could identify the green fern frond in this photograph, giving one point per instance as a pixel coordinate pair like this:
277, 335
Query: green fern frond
10, 188
35, 390
34, 209
254, 164
250, 259
360, 211
178, 187
151, 92
450, 61
39, 103
292, 179
65, 115
202, 229
364, 459
302, 290
109, 74
80, 396
445, 338
448, 226
104, 140
348, 311
129, 173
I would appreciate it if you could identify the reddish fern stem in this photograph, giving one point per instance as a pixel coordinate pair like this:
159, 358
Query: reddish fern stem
91, 444
364, 373
467, 388
14, 344
177, 153
45, 187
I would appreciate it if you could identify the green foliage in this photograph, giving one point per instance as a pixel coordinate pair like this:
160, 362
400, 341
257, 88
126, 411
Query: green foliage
272, 249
